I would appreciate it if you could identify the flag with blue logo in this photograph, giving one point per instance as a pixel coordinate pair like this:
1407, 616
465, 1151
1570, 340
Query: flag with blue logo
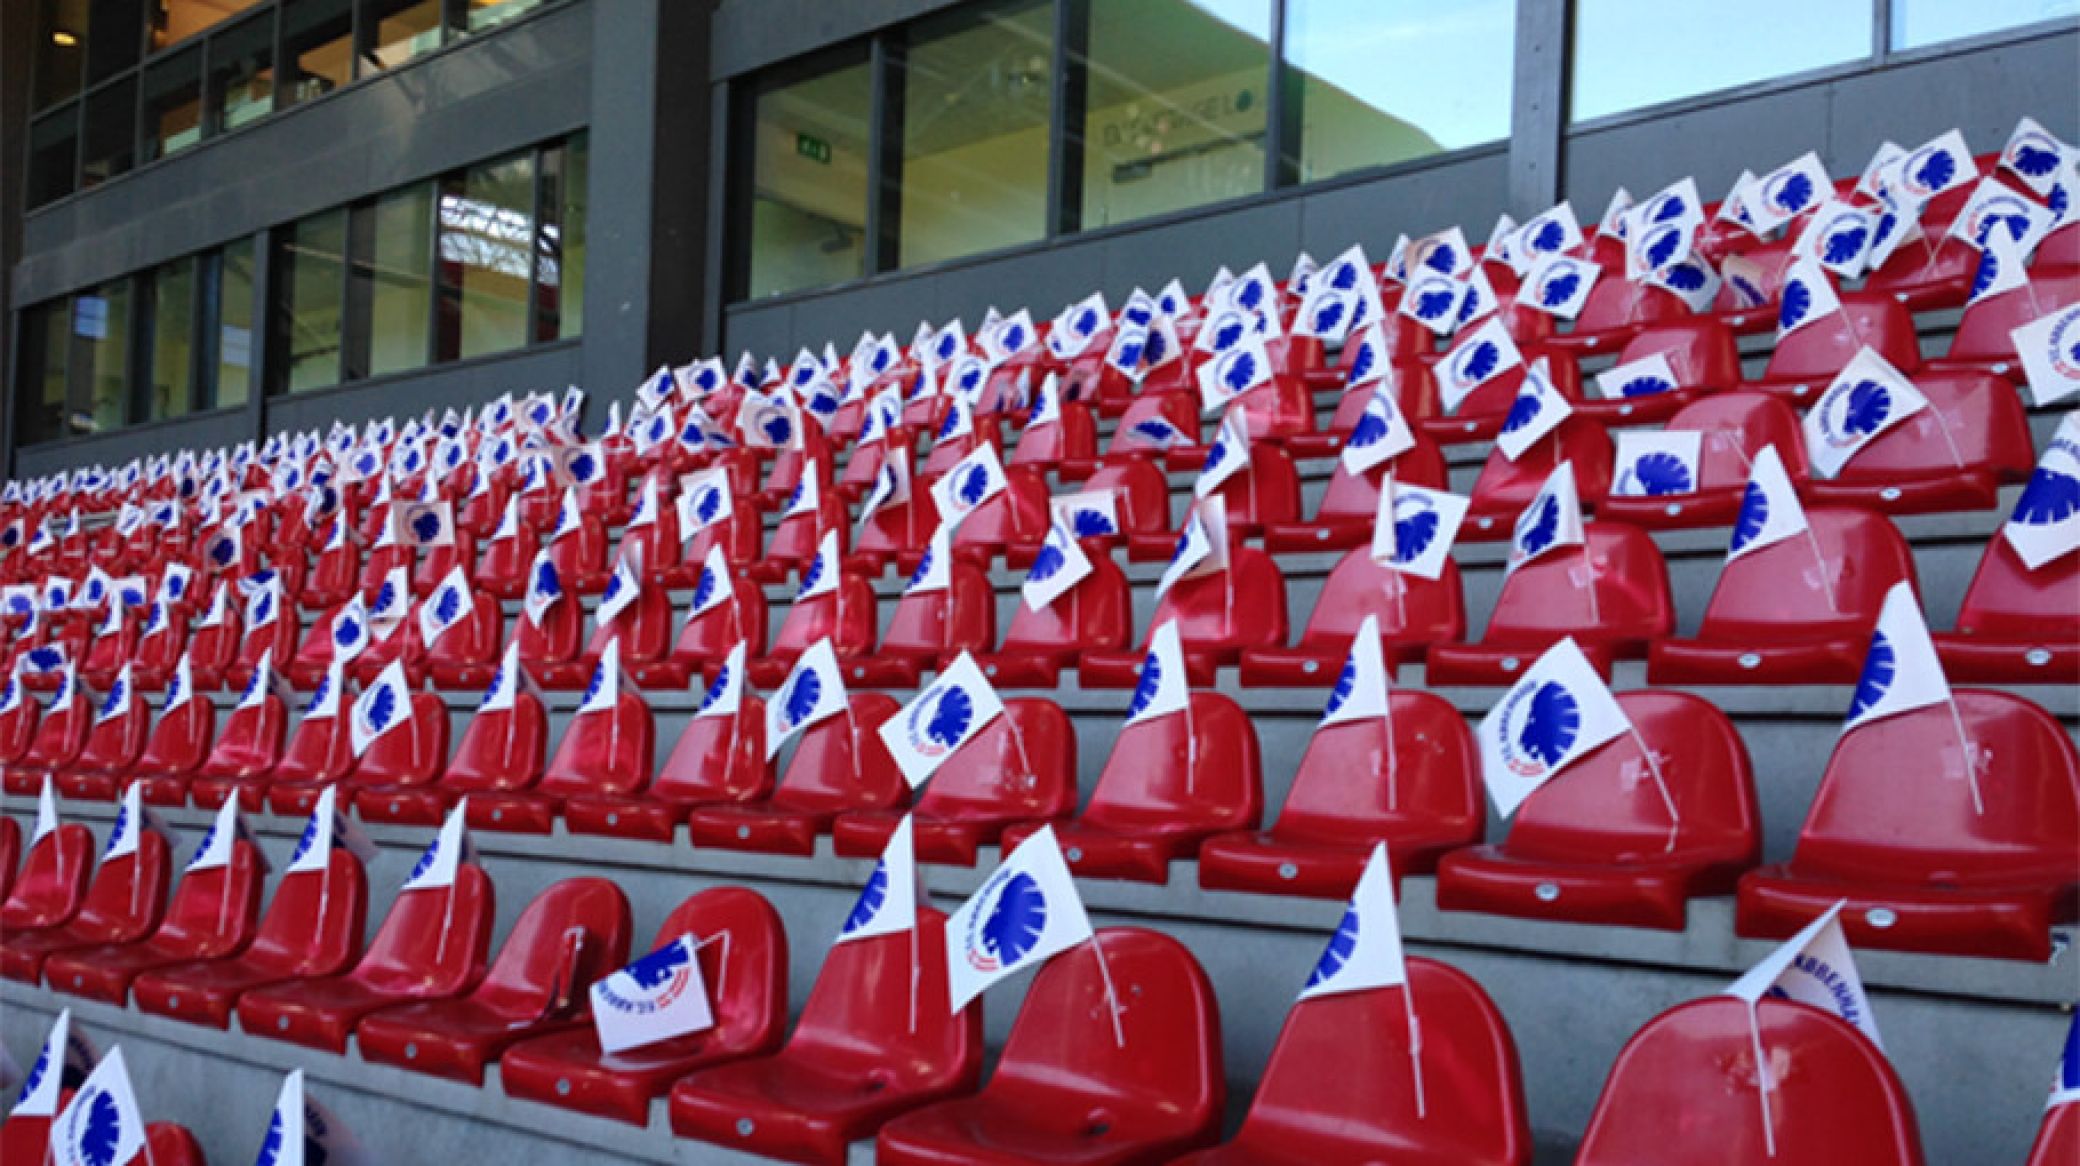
892, 484
1901, 671
121, 698
349, 630
1877, 172
544, 588
807, 494
264, 682
2000, 268
19, 600
133, 818
1228, 456
450, 604
570, 518
1363, 687
180, 686
1381, 434
946, 714
704, 501
1557, 712
724, 695
624, 585
1938, 165
64, 1061
1551, 520
381, 708
1814, 967
1327, 313
46, 810
1414, 528
215, 849
1867, 398
1559, 285
1644, 377
1444, 252
603, 690
1553, 232
1660, 232
814, 690
2065, 1085
1839, 237
101, 1125
427, 524
57, 593
1657, 463
820, 573
1734, 207
304, 1132
1202, 546
1365, 952
1479, 300
1364, 360
1161, 688
1994, 205
1231, 373
1539, 409
934, 571
1787, 192
2049, 348
1025, 912
325, 828
973, 480
714, 586
1808, 295
174, 582
449, 849
507, 683
2045, 524
1059, 566
887, 904
1433, 299
2033, 154
658, 997
324, 702
1770, 510
1484, 354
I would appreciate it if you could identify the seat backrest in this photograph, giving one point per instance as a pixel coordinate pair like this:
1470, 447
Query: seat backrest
743, 963
1983, 331
214, 648
571, 934
857, 1022
1195, 768
1175, 408
320, 750
503, 749
644, 627
1894, 803
1819, 350
314, 925
840, 763
1140, 494
1606, 807
582, 552
61, 733
504, 562
1023, 764
847, 615
1327, 1098
1410, 608
160, 650
1580, 440
1268, 493
1734, 427
1785, 589
1684, 1089
1096, 613
113, 745
128, 895
1355, 497
1974, 421
18, 728
414, 752
1699, 350
2008, 599
739, 535
710, 635
963, 616
180, 739
10, 854
214, 911
476, 640
1349, 788
1241, 607
1549, 597
434, 941
170, 1145
251, 742
552, 641
719, 759
1073, 437
442, 559
611, 751
1617, 303
277, 639
1016, 516
54, 875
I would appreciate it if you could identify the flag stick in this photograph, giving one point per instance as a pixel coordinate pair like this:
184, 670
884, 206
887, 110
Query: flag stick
722, 961
1191, 739
1949, 439
1415, 1045
1964, 743
1589, 560
1820, 568
1018, 742
916, 975
1119, 1036
1762, 1080
1675, 820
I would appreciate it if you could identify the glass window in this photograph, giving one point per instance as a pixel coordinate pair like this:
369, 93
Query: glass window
110, 133
241, 76
61, 43
174, 21
809, 181
976, 91
173, 103
115, 33
230, 334
45, 343
317, 48
1634, 53
313, 282
1926, 22
1379, 83
1174, 113
392, 282
53, 155
483, 14
559, 272
171, 390
486, 253
101, 328
397, 31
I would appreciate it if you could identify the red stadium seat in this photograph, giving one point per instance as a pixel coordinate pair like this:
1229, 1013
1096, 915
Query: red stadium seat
469, 646
1983, 337
60, 735
705, 640
212, 916
1505, 487
573, 933
114, 744
1684, 1089
1734, 428
320, 753
1700, 352
1934, 274
1150, 412
859, 1056
503, 566
245, 755
1480, 416
501, 751
839, 764
607, 751
123, 905
1069, 1088
1171, 783
108, 651
1596, 844
1950, 456
1413, 613
1265, 495
442, 559
1095, 615
1016, 517
312, 928
160, 649
1325, 1097
1347, 796
10, 854
1893, 831
1020, 768
1611, 594
174, 753
717, 760
431, 947
2058, 1139
743, 960
18, 726
1219, 616
1141, 499
581, 556
1350, 503
1073, 439
1804, 363
846, 616
2016, 626
169, 1144
796, 537
1615, 312
643, 628
929, 629
407, 757
1770, 619
53, 881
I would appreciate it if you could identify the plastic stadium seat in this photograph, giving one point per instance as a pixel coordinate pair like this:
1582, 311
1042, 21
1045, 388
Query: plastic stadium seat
1219, 616
1700, 352
277, 640
18, 727
1614, 609
1346, 797
896, 534
335, 574
173, 754
442, 559
1016, 518
10, 854
247, 750
610, 752
2016, 626
114, 744
855, 1060
26, 1138
643, 628
1073, 439
744, 966
1141, 497
469, 646
705, 640
123, 905
169, 1144
408, 756
1131, 434
320, 753
2058, 1138
1934, 273
1596, 844
382, 560
717, 760
1505, 487
1171, 783
53, 880
847, 616
573, 933
312, 928
1770, 620
1480, 416
313, 654
503, 564
1893, 831
1068, 1089
500, 751
795, 539
947, 452
1350, 503
1325, 1097
741, 536
60, 735
1413, 613
1095, 615
865, 461
212, 651
930, 628
1265, 495
431, 947
839, 764
1931, 464
581, 556
108, 651
212, 916
1983, 337
1020, 768
1684, 1089
1804, 363
1614, 312
159, 650
1734, 428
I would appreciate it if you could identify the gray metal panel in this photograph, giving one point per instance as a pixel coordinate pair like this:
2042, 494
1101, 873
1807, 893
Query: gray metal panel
222, 427
506, 90
749, 34
1538, 106
1467, 190
550, 368
618, 307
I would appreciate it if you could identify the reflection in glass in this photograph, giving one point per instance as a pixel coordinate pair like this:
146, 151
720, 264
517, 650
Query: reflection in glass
1634, 53
559, 272
312, 276
231, 336
1926, 22
1381, 83
101, 328
317, 48
173, 104
114, 34
486, 253
809, 181
392, 274
241, 76
483, 14
976, 92
171, 390
174, 21
45, 340
110, 134
397, 31
61, 47
53, 155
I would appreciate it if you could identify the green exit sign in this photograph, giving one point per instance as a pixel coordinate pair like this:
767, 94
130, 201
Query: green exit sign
813, 148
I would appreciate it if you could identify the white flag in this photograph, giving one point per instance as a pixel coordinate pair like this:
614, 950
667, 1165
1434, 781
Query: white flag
603, 690
1202, 547
656, 998
2033, 154
2000, 268
947, 714
304, 1132
1867, 397
1657, 463
1839, 237
1161, 688
1559, 285
1770, 510
1814, 967
1365, 951
1555, 713
1808, 295
381, 707
325, 828
1645, 377
2046, 522
101, 1125
1059, 567
1362, 688
1026, 911
449, 849
132, 820
1228, 456
1789, 190
935, 570
117, 702
714, 587
349, 630
624, 586
1433, 299
2049, 347
887, 905
1485, 353
820, 576
1552, 519
725, 694
450, 604
974, 480
1537, 411
1381, 434
1901, 672
215, 849
704, 500
1232, 373
65, 1053
813, 691
1414, 528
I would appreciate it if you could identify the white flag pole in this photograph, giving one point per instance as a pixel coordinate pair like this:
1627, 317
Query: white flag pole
916, 975
1415, 1043
1964, 744
1820, 568
1112, 1008
1675, 820
1763, 1084
722, 973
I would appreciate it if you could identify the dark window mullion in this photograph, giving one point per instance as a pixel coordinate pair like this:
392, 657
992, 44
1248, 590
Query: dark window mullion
534, 252
1066, 114
885, 155
433, 275
1281, 113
